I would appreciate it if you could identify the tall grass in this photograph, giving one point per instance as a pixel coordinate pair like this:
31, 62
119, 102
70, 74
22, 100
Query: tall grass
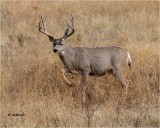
31, 82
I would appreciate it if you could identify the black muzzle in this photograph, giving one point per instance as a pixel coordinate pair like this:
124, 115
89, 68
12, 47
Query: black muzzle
55, 50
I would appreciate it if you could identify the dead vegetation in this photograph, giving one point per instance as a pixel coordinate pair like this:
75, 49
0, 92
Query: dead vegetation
30, 72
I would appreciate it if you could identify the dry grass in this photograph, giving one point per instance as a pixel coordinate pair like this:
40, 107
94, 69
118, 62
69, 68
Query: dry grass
30, 72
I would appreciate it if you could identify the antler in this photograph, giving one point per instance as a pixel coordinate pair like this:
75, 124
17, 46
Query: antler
67, 34
44, 31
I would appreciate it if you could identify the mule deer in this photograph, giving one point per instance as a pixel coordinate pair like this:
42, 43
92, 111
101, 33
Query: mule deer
88, 61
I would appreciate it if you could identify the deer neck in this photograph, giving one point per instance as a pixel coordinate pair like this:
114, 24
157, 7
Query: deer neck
66, 54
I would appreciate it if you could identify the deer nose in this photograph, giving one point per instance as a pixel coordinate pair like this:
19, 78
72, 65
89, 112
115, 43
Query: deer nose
55, 50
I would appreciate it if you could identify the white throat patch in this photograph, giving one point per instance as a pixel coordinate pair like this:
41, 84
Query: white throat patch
62, 52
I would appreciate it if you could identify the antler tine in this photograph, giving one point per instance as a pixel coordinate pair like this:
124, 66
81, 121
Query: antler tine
67, 34
72, 22
45, 23
44, 26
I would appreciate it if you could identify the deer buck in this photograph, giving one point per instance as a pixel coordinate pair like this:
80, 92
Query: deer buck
88, 61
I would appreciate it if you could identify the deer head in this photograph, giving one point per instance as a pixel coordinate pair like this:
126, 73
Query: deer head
58, 44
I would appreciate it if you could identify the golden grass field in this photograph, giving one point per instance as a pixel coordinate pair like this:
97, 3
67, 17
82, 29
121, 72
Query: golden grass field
31, 81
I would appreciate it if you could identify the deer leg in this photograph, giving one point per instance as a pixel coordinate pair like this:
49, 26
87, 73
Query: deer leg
122, 79
68, 82
85, 77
